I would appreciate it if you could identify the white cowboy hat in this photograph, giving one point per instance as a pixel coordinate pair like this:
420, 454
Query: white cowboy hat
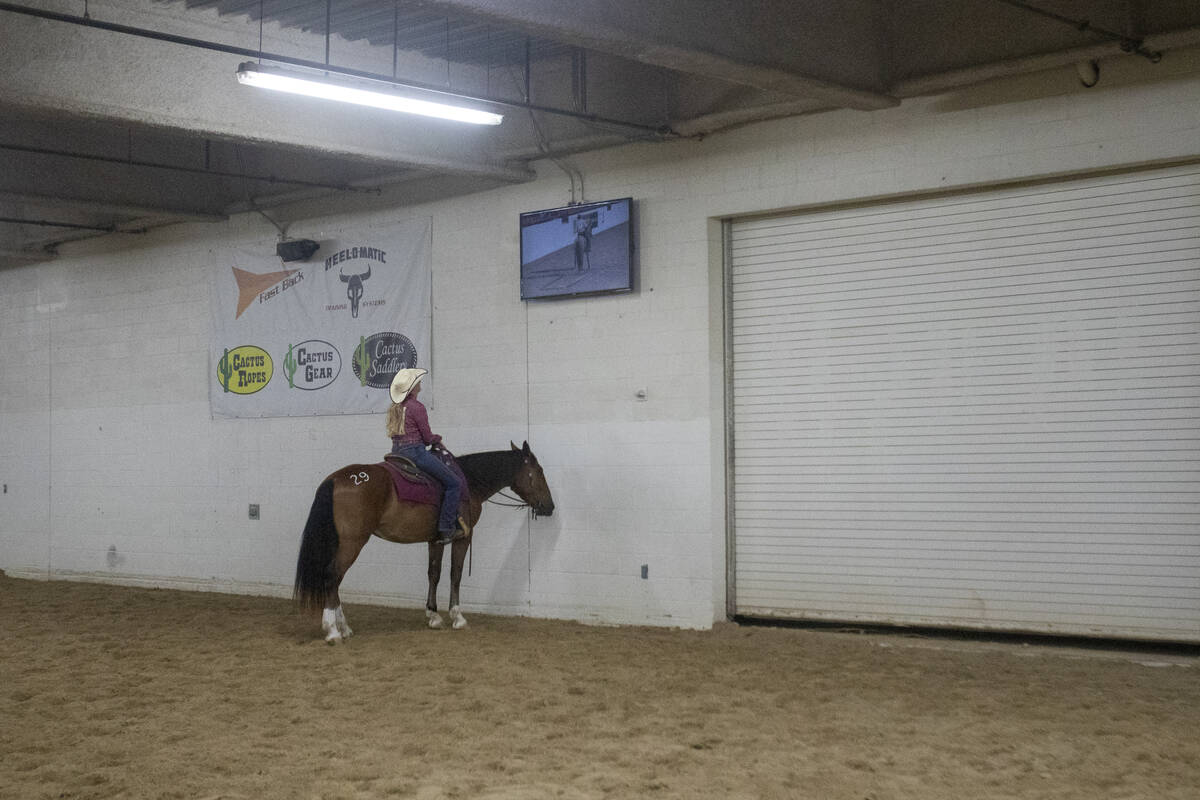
404, 382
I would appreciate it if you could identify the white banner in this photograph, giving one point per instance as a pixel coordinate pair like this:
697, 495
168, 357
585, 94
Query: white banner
322, 336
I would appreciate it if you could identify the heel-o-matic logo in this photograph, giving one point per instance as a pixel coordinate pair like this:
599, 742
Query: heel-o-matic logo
245, 369
356, 275
311, 365
380, 355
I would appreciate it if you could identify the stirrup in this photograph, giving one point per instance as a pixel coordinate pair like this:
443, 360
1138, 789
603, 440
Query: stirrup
463, 528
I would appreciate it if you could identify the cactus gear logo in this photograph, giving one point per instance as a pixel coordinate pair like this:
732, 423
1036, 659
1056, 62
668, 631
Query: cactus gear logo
311, 365
380, 355
245, 369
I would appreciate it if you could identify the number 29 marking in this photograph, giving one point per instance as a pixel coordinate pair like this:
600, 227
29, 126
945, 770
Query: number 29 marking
360, 477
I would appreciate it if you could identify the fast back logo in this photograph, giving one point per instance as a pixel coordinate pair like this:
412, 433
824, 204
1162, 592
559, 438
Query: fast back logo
262, 287
313, 364
244, 369
380, 355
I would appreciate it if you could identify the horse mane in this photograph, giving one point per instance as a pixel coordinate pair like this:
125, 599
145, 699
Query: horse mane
493, 469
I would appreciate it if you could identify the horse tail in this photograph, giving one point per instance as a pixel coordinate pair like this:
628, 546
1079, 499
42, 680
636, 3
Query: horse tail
314, 567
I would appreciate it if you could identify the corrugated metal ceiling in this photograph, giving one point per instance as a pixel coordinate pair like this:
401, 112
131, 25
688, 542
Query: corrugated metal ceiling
384, 23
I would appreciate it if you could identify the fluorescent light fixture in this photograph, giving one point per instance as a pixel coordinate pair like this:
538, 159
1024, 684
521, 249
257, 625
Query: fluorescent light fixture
252, 74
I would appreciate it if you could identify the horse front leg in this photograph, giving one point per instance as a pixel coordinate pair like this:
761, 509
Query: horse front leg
458, 555
435, 574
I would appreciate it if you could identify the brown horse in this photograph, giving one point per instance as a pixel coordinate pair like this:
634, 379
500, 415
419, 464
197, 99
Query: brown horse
358, 500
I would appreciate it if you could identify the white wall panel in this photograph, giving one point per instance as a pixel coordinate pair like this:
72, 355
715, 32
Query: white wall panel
976, 410
636, 482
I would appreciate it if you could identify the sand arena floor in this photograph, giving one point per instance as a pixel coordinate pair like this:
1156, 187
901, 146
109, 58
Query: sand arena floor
131, 693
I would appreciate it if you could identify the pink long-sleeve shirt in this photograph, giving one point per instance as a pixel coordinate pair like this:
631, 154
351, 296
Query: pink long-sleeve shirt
416, 424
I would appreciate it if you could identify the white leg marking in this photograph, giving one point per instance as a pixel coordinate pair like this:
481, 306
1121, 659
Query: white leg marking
435, 619
329, 626
457, 620
342, 626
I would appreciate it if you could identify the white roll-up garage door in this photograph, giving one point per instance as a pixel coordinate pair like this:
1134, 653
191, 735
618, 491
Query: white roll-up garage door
979, 410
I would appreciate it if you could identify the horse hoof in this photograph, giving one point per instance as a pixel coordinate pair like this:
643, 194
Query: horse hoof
457, 620
435, 619
333, 638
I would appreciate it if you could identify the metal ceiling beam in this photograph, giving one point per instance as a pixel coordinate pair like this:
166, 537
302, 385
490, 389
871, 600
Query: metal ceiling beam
689, 37
202, 171
967, 76
100, 207
137, 81
1128, 44
332, 69
51, 223
24, 256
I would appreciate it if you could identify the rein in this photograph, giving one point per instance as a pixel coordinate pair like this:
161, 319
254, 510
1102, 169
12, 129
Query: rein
516, 501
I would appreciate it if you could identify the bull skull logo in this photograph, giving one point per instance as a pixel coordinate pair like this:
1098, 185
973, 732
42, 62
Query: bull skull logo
354, 288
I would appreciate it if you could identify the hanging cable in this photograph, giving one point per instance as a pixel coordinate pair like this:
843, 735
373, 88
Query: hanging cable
237, 150
395, 37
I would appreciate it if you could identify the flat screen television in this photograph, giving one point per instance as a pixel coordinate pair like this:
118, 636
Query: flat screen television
584, 249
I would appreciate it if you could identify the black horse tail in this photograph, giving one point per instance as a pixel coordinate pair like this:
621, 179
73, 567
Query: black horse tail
314, 567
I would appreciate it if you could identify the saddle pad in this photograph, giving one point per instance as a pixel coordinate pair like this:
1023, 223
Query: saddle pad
428, 493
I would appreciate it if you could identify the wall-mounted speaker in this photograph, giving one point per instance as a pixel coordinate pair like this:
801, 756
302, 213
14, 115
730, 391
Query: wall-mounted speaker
296, 249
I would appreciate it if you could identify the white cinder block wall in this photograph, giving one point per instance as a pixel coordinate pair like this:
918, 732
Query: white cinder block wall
115, 471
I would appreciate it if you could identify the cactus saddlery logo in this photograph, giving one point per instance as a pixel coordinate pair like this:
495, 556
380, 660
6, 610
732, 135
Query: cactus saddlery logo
380, 355
244, 369
311, 365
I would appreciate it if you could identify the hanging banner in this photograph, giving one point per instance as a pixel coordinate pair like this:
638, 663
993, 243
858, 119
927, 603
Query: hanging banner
322, 336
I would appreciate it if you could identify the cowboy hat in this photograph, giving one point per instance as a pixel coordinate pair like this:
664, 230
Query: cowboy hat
404, 382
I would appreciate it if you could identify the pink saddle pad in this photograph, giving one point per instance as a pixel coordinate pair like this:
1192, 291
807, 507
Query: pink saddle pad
428, 493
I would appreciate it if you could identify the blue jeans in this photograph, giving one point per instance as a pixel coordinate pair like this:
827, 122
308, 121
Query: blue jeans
431, 464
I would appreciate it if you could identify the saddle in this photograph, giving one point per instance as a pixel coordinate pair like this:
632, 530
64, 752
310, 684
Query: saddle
413, 486
404, 468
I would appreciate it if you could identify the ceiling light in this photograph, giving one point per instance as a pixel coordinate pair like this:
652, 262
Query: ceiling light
252, 74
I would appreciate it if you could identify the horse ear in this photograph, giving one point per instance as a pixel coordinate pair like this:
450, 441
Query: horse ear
525, 448
514, 447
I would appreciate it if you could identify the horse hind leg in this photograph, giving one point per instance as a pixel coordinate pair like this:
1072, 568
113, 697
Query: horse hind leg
333, 618
334, 625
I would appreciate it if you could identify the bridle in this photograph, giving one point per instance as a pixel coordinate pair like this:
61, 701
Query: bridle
516, 503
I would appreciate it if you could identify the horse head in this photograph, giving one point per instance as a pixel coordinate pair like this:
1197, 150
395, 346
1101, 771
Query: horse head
354, 288
529, 482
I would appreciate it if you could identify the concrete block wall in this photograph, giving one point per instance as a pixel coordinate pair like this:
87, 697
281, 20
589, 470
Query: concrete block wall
117, 472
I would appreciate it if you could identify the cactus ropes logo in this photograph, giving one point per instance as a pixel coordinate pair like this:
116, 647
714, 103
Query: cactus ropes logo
245, 369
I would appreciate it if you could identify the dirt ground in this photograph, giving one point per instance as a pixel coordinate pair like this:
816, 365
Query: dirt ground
116, 692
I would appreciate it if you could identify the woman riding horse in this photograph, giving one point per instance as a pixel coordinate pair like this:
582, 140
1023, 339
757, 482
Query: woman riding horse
408, 425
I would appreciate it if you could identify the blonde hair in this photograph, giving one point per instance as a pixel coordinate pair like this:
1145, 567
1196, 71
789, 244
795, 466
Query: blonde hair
395, 419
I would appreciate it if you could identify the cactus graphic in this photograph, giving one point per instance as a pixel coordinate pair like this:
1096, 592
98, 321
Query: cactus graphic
289, 367
362, 360
225, 369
